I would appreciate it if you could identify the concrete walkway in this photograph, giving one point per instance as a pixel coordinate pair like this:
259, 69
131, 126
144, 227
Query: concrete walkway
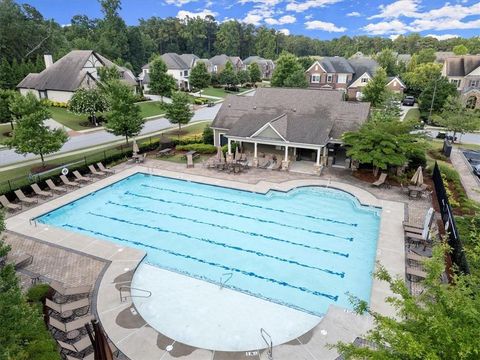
469, 180
52, 124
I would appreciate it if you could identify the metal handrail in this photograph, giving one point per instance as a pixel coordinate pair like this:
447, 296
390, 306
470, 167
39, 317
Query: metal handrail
124, 298
229, 275
264, 334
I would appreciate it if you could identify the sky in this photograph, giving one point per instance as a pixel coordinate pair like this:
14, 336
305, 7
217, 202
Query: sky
323, 19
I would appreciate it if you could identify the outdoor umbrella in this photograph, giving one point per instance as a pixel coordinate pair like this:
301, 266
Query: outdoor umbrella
101, 349
219, 153
237, 154
136, 150
417, 178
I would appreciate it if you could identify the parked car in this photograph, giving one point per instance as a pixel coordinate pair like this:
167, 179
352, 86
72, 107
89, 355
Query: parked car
476, 169
408, 101
444, 135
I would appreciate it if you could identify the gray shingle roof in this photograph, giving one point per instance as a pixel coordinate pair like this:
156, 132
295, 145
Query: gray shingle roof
174, 61
300, 115
67, 73
336, 64
362, 65
462, 65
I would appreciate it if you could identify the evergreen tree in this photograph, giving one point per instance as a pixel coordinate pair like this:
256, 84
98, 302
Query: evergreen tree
243, 77
287, 72
387, 60
161, 83
6, 99
376, 91
254, 73
6, 81
113, 40
228, 76
199, 77
178, 112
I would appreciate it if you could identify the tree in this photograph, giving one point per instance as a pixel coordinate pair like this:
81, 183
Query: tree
228, 76
418, 77
88, 101
460, 50
434, 96
113, 34
178, 112
388, 61
254, 72
376, 91
199, 76
425, 56
161, 83
124, 117
228, 38
296, 79
382, 141
440, 323
6, 114
288, 67
31, 135
265, 43
456, 118
243, 77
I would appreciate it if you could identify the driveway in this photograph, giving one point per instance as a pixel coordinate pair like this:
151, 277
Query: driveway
94, 138
404, 110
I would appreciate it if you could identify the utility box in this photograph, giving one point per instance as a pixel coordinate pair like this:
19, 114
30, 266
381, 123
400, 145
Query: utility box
447, 148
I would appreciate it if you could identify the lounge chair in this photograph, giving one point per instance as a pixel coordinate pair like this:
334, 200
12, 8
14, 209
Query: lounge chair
141, 159
71, 325
381, 180
36, 189
8, 205
414, 273
104, 169
70, 306
81, 178
20, 261
67, 182
95, 172
77, 346
415, 257
62, 290
414, 228
55, 188
21, 196
420, 239
189, 161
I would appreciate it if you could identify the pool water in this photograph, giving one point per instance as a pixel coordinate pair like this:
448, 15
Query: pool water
306, 249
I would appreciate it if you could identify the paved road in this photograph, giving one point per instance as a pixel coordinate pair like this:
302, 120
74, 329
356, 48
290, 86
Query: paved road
468, 138
100, 137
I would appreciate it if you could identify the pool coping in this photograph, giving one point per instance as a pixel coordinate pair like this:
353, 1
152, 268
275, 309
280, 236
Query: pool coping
133, 342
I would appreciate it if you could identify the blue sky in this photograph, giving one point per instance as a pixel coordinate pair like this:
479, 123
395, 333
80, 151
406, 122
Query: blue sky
324, 19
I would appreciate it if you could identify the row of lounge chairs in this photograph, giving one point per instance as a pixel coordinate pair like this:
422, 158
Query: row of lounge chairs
77, 182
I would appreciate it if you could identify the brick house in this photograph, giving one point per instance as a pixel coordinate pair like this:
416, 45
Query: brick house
464, 73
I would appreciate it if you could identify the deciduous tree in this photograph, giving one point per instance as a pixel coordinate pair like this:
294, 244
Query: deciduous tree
387, 60
89, 102
457, 118
161, 83
434, 96
228, 76
287, 72
460, 50
6, 99
199, 76
178, 112
376, 91
254, 72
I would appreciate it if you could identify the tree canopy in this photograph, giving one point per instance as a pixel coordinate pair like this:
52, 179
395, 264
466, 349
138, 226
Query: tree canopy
199, 76
376, 91
6, 114
434, 96
161, 83
457, 118
254, 72
228, 75
460, 50
178, 112
388, 61
88, 101
289, 72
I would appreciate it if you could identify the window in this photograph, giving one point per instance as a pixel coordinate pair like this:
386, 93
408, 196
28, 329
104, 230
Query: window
185, 73
364, 80
342, 78
215, 68
329, 78
455, 82
315, 78
474, 83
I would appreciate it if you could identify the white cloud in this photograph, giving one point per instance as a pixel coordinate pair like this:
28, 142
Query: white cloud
394, 37
408, 8
284, 31
354, 13
308, 17
178, 3
182, 14
252, 19
309, 4
325, 26
386, 27
443, 36
287, 19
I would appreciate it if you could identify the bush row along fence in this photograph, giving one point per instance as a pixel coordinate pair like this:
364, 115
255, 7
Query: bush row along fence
108, 156
458, 255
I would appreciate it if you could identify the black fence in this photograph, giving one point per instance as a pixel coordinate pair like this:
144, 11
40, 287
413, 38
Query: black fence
457, 255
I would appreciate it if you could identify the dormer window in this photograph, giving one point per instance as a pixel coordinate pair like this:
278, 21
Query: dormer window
364, 80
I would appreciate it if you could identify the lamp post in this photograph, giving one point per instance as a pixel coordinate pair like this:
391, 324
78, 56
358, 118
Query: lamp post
433, 99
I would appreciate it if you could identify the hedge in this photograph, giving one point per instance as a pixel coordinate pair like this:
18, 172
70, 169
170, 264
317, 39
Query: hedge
201, 148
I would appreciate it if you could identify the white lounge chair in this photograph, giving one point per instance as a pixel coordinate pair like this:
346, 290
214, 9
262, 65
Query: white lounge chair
381, 180
26, 200
95, 172
81, 178
55, 188
68, 182
104, 169
8, 205
69, 306
68, 291
77, 346
36, 189
71, 325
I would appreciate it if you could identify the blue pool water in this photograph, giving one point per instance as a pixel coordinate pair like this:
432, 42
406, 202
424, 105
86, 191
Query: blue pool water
305, 249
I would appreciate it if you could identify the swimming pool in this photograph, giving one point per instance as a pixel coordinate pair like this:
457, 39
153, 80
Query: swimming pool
305, 249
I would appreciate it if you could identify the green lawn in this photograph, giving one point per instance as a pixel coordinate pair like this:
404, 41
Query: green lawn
3, 129
412, 114
67, 118
192, 131
219, 92
151, 108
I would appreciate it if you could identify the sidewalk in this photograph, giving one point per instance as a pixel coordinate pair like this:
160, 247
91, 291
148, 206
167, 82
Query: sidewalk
469, 180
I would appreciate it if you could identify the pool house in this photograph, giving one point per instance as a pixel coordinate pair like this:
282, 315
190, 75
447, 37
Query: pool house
302, 128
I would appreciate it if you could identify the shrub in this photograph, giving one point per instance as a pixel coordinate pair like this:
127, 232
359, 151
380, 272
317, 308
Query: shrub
225, 148
417, 158
55, 103
201, 148
37, 293
200, 101
208, 135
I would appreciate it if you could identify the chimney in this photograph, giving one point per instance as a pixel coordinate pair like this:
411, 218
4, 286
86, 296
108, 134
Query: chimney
48, 60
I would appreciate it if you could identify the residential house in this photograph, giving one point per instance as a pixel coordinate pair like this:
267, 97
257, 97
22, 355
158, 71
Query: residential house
464, 73
266, 66
219, 61
179, 66
441, 56
60, 79
293, 124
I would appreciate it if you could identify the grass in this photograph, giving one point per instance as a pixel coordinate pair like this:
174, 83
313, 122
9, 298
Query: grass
412, 114
69, 119
151, 108
219, 92
193, 131
3, 129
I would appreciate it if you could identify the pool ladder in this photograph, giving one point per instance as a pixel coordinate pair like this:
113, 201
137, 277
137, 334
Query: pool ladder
129, 288
224, 279
268, 340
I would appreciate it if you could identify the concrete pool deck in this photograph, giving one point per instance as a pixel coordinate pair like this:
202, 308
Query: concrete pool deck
138, 340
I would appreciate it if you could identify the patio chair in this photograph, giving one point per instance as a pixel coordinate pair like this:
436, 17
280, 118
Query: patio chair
381, 180
95, 172
21, 196
412, 227
77, 346
414, 273
42, 193
8, 205
411, 256
141, 159
71, 325
68, 182
81, 178
104, 169
70, 306
69, 291
425, 238
55, 188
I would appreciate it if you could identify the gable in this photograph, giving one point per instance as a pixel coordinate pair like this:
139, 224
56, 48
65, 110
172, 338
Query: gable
359, 83
268, 132
316, 67
475, 72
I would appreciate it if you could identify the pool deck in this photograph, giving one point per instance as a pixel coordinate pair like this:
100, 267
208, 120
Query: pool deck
137, 340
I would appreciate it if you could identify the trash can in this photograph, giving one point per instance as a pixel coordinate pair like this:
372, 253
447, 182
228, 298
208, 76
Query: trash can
447, 148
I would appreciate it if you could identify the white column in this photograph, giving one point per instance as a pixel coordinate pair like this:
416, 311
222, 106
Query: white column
229, 147
318, 157
286, 153
295, 152
255, 150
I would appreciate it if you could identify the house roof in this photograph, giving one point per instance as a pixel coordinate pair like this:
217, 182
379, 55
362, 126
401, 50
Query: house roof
67, 73
362, 65
174, 61
461, 65
440, 56
299, 115
391, 78
336, 64
221, 60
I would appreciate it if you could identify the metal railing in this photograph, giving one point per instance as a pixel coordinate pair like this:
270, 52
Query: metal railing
129, 288
224, 279
268, 341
